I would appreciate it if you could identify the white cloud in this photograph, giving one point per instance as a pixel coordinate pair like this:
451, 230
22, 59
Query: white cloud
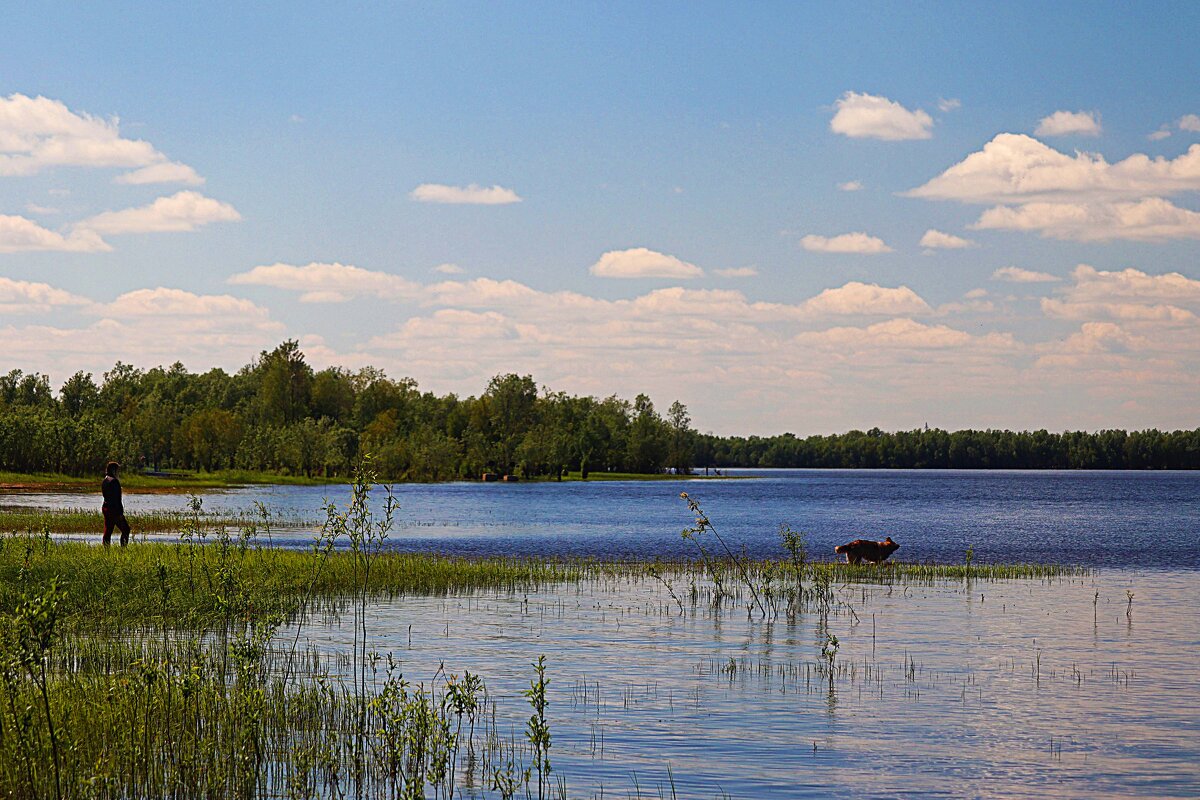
850, 186
904, 335
1014, 168
1080, 197
975, 294
25, 297
1149, 220
165, 172
867, 299
1158, 135
1130, 296
936, 240
640, 262
1019, 275
37, 133
464, 195
1095, 285
176, 303
34, 208
183, 211
1161, 312
866, 116
327, 283
1190, 122
1069, 123
18, 234
145, 327
737, 272
947, 105
449, 269
858, 242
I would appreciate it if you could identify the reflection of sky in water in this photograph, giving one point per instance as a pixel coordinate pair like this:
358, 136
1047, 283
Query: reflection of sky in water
1114, 713
1110, 519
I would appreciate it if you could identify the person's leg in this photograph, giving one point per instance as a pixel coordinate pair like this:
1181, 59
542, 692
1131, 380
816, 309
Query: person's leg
123, 524
108, 525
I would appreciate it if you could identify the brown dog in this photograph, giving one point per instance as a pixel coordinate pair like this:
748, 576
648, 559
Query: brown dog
865, 550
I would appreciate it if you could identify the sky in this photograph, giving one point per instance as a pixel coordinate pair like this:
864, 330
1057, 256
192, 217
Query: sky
790, 217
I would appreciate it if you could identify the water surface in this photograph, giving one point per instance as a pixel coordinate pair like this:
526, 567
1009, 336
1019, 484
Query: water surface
1097, 518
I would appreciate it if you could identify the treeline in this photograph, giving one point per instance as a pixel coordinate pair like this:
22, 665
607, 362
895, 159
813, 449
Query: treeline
969, 449
279, 415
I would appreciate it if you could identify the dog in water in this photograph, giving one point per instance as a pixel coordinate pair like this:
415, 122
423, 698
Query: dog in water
861, 550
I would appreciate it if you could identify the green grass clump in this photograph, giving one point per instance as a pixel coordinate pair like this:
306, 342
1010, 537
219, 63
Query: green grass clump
193, 583
81, 520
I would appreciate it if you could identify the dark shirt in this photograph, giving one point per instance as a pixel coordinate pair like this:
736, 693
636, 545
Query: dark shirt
111, 489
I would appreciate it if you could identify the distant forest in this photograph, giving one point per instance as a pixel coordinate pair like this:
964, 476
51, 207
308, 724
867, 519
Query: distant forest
279, 415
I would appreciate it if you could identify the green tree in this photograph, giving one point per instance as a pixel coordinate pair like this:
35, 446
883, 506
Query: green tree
79, 394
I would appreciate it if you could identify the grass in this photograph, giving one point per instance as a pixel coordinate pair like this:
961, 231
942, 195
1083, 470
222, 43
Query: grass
193, 585
17, 520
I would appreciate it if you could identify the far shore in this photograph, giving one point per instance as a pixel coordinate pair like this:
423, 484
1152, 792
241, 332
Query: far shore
181, 481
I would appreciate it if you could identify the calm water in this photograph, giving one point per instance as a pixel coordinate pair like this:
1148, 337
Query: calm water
1011, 689
1100, 519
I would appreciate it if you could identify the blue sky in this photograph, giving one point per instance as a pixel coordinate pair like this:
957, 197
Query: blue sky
711, 203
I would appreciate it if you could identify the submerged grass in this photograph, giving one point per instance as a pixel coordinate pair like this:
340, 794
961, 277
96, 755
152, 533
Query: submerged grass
15, 520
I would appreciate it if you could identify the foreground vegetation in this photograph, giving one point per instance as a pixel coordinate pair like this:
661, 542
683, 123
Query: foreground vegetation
278, 419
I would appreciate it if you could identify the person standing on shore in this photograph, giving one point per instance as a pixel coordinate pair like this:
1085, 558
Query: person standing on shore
114, 511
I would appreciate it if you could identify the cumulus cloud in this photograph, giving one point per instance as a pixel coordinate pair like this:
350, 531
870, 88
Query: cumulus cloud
936, 240
176, 303
1014, 168
449, 269
473, 194
147, 326
37, 133
327, 283
858, 242
1159, 312
1069, 123
1128, 296
1019, 275
868, 299
1092, 284
26, 297
165, 172
904, 334
183, 211
1190, 122
850, 186
18, 235
640, 262
1149, 220
1080, 197
866, 116
1158, 135
783, 361
737, 272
